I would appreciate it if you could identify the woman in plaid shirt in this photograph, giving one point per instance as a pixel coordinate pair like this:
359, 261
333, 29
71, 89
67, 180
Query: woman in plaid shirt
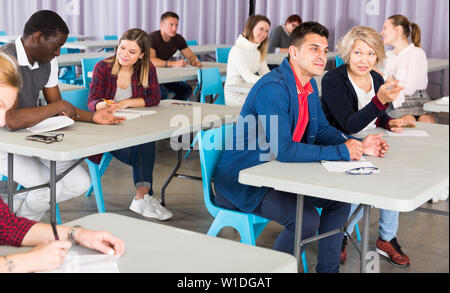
128, 79
15, 231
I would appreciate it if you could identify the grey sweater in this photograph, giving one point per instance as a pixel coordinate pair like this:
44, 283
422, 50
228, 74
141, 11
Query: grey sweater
278, 38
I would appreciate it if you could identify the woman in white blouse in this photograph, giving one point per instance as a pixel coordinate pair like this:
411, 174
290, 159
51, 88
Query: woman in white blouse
408, 63
247, 59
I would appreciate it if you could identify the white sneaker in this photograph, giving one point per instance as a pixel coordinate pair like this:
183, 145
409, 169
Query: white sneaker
154, 209
138, 205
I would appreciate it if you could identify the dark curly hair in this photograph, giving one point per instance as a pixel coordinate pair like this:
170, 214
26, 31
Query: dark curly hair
47, 22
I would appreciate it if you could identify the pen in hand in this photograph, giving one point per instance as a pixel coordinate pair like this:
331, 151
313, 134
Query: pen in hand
109, 102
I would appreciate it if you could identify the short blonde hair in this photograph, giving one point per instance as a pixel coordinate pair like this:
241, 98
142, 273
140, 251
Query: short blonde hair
365, 34
9, 71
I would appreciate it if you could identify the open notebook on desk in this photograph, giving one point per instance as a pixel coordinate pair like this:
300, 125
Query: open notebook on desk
134, 113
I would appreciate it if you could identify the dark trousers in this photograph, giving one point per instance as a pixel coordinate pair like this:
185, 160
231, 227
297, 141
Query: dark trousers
281, 207
142, 159
182, 90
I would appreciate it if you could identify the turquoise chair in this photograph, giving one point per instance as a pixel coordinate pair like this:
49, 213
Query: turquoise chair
249, 226
87, 65
110, 37
222, 54
19, 187
2, 33
210, 84
222, 57
338, 60
192, 43
67, 74
79, 98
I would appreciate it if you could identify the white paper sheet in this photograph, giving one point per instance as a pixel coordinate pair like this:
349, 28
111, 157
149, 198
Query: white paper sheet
343, 166
50, 124
409, 132
76, 262
443, 101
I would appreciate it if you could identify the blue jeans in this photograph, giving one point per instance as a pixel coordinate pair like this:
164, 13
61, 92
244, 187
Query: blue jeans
142, 159
281, 207
182, 90
388, 223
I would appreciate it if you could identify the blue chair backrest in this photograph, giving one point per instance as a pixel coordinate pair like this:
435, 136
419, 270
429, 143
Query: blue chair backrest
211, 84
2, 33
110, 37
192, 43
87, 65
211, 146
78, 98
222, 54
338, 61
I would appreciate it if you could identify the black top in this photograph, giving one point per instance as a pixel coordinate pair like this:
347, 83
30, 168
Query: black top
165, 50
340, 102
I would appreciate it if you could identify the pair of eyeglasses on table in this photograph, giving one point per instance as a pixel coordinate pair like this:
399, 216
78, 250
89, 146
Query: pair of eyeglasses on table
362, 171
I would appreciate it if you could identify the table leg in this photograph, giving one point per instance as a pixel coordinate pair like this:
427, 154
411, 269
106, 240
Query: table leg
172, 174
10, 181
53, 192
365, 238
298, 229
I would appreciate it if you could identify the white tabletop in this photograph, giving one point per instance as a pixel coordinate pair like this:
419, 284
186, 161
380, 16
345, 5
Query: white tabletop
435, 64
414, 169
244, 88
208, 49
156, 248
86, 45
84, 139
439, 105
75, 58
12, 38
174, 74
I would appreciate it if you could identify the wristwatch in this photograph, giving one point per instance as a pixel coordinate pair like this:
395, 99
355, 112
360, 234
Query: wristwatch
72, 232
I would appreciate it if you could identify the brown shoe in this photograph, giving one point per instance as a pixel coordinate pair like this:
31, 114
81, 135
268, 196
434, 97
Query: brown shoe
343, 250
393, 252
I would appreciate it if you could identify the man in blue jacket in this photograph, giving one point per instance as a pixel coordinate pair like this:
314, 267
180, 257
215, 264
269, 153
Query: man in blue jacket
282, 119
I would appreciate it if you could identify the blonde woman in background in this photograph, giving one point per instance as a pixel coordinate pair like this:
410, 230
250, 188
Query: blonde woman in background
247, 59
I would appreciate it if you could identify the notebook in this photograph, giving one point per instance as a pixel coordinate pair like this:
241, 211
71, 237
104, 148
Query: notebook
50, 124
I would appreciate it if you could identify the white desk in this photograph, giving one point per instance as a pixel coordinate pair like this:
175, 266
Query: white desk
82, 139
164, 249
441, 65
174, 74
439, 105
277, 58
208, 49
88, 45
12, 38
414, 169
75, 58
244, 88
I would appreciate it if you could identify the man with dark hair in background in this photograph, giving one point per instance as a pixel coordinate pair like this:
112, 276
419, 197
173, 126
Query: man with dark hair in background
163, 44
